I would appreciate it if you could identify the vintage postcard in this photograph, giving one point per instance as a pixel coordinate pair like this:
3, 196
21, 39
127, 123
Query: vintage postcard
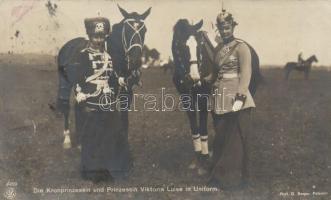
165, 99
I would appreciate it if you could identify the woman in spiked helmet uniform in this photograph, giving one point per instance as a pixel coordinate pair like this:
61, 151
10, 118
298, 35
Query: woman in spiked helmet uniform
232, 105
89, 71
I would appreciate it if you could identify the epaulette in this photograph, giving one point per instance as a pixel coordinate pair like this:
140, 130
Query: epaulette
240, 40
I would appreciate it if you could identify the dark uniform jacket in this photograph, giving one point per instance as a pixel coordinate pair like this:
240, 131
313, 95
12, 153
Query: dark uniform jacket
90, 74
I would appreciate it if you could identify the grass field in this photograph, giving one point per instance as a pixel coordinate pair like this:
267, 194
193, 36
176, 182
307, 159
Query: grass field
290, 141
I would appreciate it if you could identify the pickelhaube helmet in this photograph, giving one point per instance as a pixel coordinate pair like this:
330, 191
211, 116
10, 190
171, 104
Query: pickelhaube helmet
97, 25
225, 18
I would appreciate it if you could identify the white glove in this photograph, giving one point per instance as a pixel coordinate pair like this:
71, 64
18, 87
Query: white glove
106, 90
237, 105
121, 81
80, 97
198, 83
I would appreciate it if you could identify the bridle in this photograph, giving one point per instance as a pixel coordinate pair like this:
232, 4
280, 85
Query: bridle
179, 44
128, 45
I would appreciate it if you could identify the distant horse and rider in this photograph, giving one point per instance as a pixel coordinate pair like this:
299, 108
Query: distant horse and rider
302, 66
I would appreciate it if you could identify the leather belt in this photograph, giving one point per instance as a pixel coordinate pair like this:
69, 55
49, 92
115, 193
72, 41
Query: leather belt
88, 109
229, 75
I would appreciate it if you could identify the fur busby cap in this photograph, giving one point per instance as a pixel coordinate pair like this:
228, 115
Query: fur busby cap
225, 18
97, 25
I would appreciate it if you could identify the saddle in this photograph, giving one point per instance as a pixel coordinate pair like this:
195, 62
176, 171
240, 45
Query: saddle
300, 64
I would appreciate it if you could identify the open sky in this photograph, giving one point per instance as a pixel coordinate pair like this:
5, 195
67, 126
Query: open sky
277, 29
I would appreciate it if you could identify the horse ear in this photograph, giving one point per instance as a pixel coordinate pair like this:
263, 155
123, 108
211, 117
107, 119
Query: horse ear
123, 12
146, 13
198, 25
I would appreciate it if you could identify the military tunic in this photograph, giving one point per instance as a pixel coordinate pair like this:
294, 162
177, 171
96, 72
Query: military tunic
105, 147
232, 129
104, 144
234, 63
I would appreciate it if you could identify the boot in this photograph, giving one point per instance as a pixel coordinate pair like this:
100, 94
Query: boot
197, 149
204, 158
203, 164
195, 162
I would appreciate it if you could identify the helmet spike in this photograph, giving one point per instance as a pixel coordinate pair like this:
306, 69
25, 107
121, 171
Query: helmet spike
223, 10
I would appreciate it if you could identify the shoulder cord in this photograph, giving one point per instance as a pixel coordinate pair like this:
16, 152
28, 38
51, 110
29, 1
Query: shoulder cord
227, 55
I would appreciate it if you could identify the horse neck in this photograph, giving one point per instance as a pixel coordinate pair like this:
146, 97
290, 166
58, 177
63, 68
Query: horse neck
179, 48
115, 44
176, 43
310, 60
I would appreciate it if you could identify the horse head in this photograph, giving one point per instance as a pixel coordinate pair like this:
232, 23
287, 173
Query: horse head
182, 48
201, 47
127, 39
311, 59
183, 30
133, 35
314, 58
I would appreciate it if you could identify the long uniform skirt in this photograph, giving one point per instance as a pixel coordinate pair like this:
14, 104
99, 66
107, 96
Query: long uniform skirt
104, 143
230, 148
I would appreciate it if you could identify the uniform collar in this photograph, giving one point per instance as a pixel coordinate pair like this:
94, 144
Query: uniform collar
92, 50
228, 40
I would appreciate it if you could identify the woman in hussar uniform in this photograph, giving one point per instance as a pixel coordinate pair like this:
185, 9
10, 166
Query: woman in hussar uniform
89, 71
232, 106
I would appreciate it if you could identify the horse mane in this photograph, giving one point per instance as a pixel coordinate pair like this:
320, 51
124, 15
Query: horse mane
115, 46
115, 38
208, 46
182, 49
178, 41
181, 27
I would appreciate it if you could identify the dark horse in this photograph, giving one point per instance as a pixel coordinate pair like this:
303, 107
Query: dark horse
194, 93
124, 45
305, 67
